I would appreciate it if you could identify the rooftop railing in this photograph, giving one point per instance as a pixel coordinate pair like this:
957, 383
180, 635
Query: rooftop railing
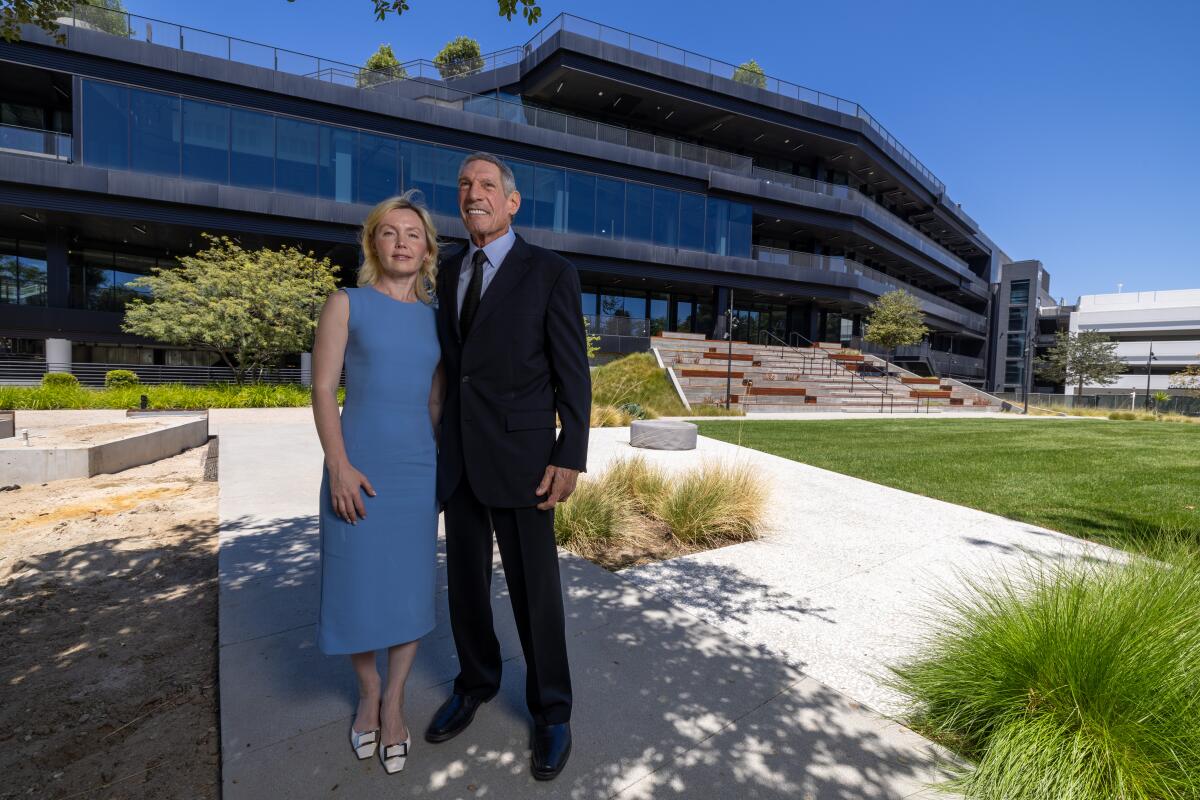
849, 266
722, 69
35, 141
420, 80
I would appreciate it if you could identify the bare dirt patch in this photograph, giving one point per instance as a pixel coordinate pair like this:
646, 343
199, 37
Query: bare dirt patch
108, 615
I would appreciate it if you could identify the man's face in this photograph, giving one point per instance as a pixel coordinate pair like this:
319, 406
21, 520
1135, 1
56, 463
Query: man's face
485, 210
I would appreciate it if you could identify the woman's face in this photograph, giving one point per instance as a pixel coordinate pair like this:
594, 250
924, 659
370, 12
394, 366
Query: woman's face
400, 243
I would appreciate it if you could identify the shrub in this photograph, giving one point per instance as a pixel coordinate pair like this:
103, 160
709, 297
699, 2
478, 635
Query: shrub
118, 378
59, 379
636, 411
605, 416
714, 505
1076, 681
643, 483
592, 518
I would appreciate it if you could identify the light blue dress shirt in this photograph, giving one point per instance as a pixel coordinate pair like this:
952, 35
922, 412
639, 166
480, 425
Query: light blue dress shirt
495, 252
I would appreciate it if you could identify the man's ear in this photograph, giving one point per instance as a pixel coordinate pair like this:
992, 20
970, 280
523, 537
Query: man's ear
514, 203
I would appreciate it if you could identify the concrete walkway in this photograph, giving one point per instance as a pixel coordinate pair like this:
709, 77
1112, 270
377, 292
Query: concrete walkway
667, 705
845, 580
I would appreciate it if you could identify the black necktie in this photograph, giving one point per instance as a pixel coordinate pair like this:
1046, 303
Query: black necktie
474, 290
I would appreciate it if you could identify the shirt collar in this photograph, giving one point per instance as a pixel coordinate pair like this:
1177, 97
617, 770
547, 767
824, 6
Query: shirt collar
495, 250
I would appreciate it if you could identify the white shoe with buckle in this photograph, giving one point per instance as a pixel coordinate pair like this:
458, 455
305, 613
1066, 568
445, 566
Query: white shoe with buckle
393, 756
364, 743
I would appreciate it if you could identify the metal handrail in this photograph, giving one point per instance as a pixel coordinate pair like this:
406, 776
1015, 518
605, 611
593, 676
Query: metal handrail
883, 392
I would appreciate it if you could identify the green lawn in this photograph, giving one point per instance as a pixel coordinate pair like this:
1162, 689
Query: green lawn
1123, 483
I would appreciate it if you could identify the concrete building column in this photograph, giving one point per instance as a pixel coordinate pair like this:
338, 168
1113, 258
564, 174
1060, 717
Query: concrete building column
306, 369
58, 270
720, 306
58, 355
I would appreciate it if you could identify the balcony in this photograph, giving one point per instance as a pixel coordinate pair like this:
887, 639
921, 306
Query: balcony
931, 303
35, 142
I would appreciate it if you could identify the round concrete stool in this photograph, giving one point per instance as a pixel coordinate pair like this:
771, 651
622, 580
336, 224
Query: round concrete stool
662, 434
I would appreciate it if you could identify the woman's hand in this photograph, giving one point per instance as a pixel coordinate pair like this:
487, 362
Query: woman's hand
345, 483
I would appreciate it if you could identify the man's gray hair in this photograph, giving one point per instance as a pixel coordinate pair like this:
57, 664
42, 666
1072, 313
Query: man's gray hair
508, 181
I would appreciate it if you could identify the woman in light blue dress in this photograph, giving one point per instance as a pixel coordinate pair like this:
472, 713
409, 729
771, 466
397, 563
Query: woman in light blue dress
378, 494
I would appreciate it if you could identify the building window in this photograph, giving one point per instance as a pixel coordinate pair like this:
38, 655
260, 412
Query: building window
100, 279
105, 125
1014, 372
295, 156
154, 132
22, 272
335, 164
252, 150
1017, 318
1018, 293
610, 208
666, 218
205, 142
1016, 345
378, 165
581, 203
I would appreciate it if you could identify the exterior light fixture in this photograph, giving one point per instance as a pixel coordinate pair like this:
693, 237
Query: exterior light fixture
31, 217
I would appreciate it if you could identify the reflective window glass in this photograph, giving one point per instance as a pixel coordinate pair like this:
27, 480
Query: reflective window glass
335, 175
295, 156
524, 175
1017, 318
581, 203
105, 125
639, 210
549, 203
252, 150
691, 221
205, 141
610, 208
420, 169
741, 224
31, 274
154, 133
1016, 345
716, 227
666, 217
8, 271
445, 198
1018, 293
378, 162
659, 307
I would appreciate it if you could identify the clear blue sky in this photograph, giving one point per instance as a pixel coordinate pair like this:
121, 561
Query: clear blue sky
1068, 130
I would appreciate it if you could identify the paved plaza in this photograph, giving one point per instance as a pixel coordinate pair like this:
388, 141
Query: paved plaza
667, 703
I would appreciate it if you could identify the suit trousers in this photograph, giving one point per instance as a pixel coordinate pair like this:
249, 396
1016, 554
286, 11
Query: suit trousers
530, 558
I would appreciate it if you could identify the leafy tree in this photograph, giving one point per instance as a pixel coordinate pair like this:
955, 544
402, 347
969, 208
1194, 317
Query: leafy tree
381, 67
460, 56
248, 307
45, 14
104, 15
1187, 379
1079, 358
751, 74
895, 319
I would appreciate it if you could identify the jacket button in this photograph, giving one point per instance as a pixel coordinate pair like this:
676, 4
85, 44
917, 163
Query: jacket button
466, 379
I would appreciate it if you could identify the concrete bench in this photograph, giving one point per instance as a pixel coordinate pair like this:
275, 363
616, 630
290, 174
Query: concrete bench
662, 434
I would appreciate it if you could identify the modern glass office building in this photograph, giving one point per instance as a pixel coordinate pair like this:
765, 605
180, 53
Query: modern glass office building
678, 185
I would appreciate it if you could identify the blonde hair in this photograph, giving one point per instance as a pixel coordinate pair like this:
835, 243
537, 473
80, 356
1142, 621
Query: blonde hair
368, 273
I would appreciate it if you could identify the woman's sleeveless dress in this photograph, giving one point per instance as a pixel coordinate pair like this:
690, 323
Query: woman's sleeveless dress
377, 577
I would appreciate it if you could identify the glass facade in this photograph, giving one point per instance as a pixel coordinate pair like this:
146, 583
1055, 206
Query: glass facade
126, 128
100, 279
1018, 293
22, 272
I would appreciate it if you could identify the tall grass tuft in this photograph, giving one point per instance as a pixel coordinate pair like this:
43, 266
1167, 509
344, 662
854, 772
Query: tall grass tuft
644, 484
714, 505
1077, 682
605, 416
638, 379
593, 518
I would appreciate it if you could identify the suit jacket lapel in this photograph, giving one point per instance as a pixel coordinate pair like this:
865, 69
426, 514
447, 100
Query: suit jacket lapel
515, 265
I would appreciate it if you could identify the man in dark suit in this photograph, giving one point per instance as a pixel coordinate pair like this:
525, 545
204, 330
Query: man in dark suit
510, 320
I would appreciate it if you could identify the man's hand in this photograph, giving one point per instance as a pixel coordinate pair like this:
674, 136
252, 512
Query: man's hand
559, 482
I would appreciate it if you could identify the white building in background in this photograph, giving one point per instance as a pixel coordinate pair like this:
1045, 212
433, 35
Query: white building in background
1167, 322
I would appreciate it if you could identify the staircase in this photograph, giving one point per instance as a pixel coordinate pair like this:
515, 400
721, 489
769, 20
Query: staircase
777, 378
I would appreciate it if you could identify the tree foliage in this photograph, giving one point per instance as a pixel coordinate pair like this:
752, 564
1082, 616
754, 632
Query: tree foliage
895, 319
249, 307
529, 9
1079, 358
460, 56
1187, 379
381, 67
751, 74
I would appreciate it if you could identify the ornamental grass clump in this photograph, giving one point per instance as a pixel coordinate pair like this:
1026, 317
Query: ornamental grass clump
1080, 681
593, 518
714, 505
642, 483
604, 416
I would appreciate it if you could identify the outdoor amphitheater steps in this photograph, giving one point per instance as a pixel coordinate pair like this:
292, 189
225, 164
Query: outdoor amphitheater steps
823, 377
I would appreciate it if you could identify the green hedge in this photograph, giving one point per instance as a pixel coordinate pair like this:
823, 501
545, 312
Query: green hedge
117, 378
161, 396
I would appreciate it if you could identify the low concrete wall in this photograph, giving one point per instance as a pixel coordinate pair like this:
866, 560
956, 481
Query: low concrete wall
44, 464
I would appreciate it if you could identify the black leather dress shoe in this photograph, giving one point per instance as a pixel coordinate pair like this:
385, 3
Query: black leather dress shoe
453, 717
551, 748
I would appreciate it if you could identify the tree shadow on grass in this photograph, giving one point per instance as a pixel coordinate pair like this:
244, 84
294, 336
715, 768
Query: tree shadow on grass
665, 704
